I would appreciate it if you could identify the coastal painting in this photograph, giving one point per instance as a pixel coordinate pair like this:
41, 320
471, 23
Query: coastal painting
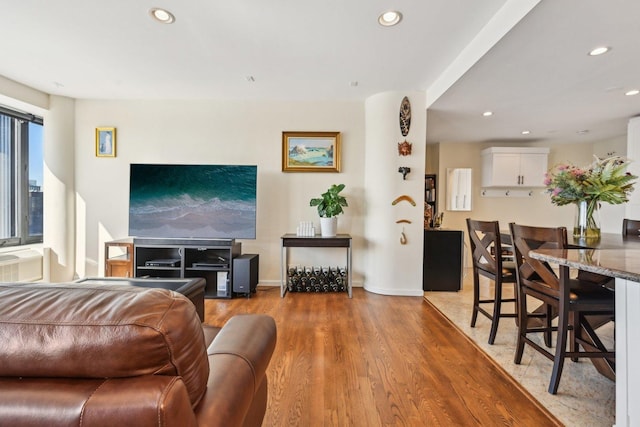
311, 151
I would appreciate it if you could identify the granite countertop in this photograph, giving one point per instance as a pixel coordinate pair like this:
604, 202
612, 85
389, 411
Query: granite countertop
622, 263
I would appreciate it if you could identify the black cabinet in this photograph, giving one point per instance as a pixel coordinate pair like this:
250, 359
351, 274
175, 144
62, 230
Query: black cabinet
443, 260
175, 258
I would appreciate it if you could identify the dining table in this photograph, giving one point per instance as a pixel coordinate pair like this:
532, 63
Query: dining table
617, 257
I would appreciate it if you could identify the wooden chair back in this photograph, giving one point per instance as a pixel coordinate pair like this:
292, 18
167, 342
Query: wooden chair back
540, 279
484, 237
630, 227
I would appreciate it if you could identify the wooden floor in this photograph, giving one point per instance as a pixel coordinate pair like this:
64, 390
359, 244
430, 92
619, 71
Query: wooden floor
377, 361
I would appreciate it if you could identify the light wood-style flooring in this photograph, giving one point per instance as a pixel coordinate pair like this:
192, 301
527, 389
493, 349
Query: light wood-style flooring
377, 360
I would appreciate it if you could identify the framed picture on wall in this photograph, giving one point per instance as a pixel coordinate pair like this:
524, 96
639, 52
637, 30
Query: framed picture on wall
311, 151
105, 142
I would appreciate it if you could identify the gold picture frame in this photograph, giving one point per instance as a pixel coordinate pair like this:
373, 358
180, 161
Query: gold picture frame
105, 142
311, 151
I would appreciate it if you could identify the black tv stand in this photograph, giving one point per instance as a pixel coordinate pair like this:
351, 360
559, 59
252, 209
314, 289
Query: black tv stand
194, 258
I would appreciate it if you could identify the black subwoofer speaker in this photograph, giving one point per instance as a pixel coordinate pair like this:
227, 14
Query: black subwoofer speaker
245, 273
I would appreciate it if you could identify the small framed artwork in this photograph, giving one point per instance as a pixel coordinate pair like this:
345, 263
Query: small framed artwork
105, 142
311, 151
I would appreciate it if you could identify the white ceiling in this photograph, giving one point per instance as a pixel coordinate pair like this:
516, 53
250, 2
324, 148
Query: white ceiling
538, 77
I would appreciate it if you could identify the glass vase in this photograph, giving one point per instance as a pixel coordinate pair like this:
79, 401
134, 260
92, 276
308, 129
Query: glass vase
587, 221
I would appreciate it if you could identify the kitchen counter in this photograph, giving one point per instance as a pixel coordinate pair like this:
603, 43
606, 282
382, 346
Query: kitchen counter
619, 263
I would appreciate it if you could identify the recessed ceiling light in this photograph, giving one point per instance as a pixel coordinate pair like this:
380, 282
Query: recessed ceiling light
353, 83
632, 92
250, 79
599, 51
487, 113
526, 132
390, 18
162, 15
583, 132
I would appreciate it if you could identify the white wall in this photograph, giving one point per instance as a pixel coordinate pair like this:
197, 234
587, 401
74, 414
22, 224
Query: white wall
89, 195
632, 209
219, 132
59, 190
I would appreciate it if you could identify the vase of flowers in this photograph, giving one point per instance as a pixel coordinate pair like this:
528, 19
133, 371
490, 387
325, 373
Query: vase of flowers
587, 220
604, 180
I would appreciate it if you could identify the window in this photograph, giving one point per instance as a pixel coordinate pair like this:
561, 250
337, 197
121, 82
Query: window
21, 167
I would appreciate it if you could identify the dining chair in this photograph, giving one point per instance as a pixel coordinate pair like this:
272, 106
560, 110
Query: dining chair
571, 299
630, 227
486, 253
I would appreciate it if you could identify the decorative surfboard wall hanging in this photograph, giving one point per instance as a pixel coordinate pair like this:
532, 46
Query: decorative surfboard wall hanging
405, 116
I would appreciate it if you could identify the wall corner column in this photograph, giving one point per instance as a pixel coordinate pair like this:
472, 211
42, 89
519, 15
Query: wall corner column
394, 268
59, 187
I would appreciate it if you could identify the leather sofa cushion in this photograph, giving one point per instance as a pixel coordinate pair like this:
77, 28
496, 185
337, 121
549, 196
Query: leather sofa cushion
148, 400
101, 331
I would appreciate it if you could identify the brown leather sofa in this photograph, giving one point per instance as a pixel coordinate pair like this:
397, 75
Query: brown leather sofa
112, 355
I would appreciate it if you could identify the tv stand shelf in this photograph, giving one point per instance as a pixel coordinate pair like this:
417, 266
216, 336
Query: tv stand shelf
186, 258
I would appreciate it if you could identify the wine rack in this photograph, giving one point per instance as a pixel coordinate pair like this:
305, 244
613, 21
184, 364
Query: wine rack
334, 279
316, 279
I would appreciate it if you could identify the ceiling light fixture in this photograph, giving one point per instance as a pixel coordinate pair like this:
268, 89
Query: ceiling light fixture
162, 15
583, 132
250, 79
487, 113
632, 92
599, 50
526, 132
390, 18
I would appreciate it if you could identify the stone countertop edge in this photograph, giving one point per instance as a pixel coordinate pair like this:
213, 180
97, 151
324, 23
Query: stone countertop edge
608, 262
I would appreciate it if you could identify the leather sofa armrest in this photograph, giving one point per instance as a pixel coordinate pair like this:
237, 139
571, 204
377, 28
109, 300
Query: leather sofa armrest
210, 333
238, 359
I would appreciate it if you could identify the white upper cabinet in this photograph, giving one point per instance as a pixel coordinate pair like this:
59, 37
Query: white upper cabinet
514, 166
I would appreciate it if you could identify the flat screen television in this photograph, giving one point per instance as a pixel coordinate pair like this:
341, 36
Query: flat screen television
192, 201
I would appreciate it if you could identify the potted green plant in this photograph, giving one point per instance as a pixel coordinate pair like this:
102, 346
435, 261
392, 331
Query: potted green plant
329, 205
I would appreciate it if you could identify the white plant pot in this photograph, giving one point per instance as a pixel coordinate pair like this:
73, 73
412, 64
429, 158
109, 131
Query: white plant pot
328, 226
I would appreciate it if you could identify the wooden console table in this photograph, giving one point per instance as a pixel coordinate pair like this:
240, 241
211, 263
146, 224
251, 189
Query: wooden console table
294, 241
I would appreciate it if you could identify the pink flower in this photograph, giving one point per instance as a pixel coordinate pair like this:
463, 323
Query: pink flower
556, 191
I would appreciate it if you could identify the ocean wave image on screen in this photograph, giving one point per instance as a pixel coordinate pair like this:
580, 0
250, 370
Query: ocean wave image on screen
193, 201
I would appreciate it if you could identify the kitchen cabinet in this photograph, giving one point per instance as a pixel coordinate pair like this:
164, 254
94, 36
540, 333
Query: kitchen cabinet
514, 166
